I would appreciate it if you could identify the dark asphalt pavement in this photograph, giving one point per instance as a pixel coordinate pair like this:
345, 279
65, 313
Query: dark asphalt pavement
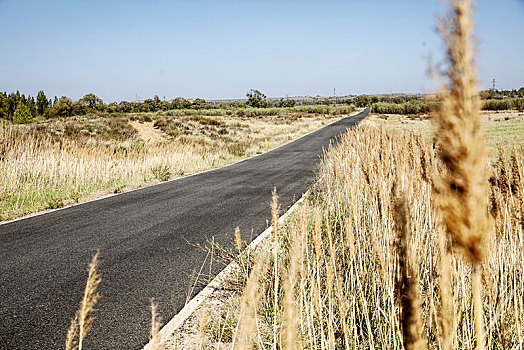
143, 240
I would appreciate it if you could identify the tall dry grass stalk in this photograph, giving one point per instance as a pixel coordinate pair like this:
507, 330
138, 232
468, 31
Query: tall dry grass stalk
275, 209
461, 189
289, 305
83, 320
248, 329
156, 324
407, 281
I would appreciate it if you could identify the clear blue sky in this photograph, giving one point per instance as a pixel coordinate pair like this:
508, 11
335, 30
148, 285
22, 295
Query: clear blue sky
221, 48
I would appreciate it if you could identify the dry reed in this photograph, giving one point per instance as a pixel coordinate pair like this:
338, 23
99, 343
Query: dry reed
407, 282
461, 189
83, 320
156, 324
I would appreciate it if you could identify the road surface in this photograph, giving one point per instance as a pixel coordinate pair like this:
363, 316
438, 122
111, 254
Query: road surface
143, 237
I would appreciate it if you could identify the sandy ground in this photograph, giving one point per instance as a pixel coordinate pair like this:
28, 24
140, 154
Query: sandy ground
147, 132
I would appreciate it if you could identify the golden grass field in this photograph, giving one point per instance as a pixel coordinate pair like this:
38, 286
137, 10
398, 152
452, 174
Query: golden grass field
502, 129
54, 163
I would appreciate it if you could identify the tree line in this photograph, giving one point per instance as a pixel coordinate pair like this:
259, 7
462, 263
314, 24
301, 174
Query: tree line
19, 108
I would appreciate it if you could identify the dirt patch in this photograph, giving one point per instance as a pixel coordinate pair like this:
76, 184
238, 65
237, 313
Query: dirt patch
147, 132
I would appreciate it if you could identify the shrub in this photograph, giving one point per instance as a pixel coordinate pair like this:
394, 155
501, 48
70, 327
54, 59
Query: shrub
54, 203
160, 123
503, 104
238, 149
162, 172
22, 114
410, 107
207, 121
497, 105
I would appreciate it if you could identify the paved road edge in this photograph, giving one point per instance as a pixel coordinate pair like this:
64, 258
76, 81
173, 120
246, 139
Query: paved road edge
169, 328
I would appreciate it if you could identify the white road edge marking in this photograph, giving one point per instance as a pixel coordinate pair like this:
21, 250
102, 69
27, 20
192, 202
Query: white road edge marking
165, 333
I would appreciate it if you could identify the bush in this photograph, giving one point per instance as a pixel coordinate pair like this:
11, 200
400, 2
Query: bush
518, 103
410, 107
503, 104
496, 105
162, 172
160, 123
207, 121
22, 114
237, 149
63, 108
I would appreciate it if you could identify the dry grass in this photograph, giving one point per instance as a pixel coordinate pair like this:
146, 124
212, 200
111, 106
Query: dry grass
338, 259
83, 320
461, 188
505, 129
55, 163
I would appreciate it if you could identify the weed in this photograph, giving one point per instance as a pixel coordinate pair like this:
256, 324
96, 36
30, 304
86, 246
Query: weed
54, 202
237, 148
162, 172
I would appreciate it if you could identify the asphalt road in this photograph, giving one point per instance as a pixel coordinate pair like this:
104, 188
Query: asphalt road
143, 240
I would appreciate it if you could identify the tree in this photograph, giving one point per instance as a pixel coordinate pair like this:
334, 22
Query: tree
125, 106
198, 103
31, 104
180, 103
3, 105
42, 104
113, 107
92, 102
22, 114
79, 108
149, 105
12, 102
255, 98
286, 103
63, 107
362, 101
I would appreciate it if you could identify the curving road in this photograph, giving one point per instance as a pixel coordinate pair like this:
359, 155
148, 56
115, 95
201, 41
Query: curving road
143, 239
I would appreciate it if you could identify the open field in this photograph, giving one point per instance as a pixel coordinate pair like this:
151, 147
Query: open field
57, 162
502, 129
